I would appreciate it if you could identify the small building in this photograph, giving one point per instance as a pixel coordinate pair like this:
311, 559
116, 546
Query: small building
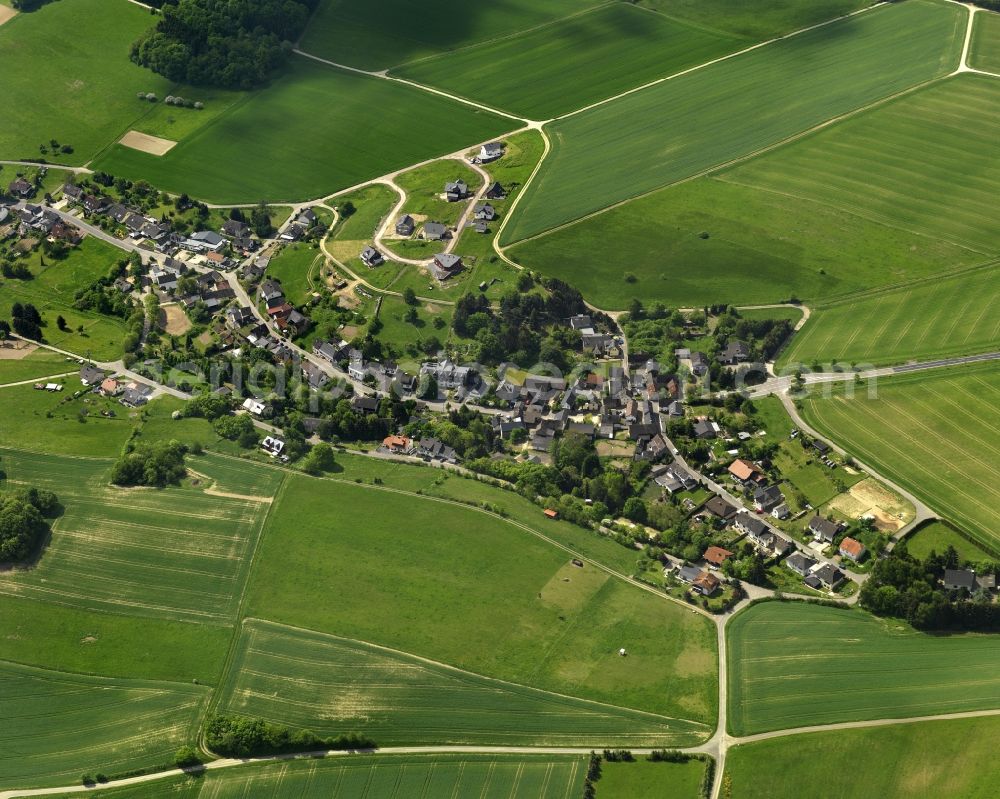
254, 407
800, 563
550, 513
435, 231
705, 430
456, 190
495, 191
405, 226
823, 529
398, 445
446, 265
781, 511
484, 212
718, 507
21, 189
491, 151
371, 257
829, 575
959, 579
853, 549
272, 446
716, 556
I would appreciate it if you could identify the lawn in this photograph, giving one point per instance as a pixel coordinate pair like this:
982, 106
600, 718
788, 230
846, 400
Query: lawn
297, 266
424, 187
52, 290
178, 553
379, 777
646, 779
427, 578
935, 318
356, 231
377, 36
933, 433
902, 761
320, 120
552, 70
329, 685
40, 363
793, 665
57, 726
985, 51
685, 126
938, 536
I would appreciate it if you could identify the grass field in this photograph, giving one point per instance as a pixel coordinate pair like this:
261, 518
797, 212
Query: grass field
938, 536
178, 553
685, 126
933, 433
792, 665
297, 266
57, 726
929, 759
329, 685
424, 187
645, 779
427, 578
375, 37
52, 290
40, 363
383, 777
985, 51
319, 118
559, 68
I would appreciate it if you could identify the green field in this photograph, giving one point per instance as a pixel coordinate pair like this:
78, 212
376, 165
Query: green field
934, 318
297, 267
57, 726
559, 68
384, 777
377, 36
40, 363
682, 127
428, 578
933, 433
320, 119
178, 553
794, 665
52, 290
645, 779
938, 536
928, 759
331, 685
424, 187
985, 51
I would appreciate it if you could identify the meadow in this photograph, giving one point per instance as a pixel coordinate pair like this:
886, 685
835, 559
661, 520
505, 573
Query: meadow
330, 685
297, 266
57, 726
424, 187
932, 758
375, 37
426, 577
793, 665
937, 536
685, 126
925, 320
646, 779
552, 70
319, 119
177, 553
52, 290
385, 777
34, 365
934, 433
985, 51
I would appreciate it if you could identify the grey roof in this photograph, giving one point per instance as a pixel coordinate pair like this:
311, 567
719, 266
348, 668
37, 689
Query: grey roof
800, 562
434, 230
689, 573
209, 237
824, 528
447, 260
960, 578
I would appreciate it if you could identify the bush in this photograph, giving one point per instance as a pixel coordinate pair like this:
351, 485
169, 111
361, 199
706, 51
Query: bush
187, 757
236, 736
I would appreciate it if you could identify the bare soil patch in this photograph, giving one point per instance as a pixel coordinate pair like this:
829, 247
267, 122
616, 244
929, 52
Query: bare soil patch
868, 498
15, 350
173, 320
6, 14
145, 143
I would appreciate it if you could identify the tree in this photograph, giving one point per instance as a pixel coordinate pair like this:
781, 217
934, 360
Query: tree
260, 220
61, 323
22, 528
320, 459
409, 296
635, 510
151, 464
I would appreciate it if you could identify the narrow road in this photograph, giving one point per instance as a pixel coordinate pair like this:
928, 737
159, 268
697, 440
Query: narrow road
35, 380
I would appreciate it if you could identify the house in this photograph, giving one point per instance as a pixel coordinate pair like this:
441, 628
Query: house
767, 497
456, 190
699, 363
750, 525
958, 579
209, 240
21, 189
63, 232
306, 219
706, 584
495, 191
705, 429
820, 446
254, 407
781, 511
717, 506
364, 404
237, 316
688, 574
371, 257
135, 394
746, 473
270, 290
484, 212
327, 350
293, 232
491, 151
432, 449
110, 387
90, 375
435, 231
446, 265
736, 352
72, 192
235, 229
716, 556
405, 226
447, 374
398, 445
852, 548
800, 563
780, 544
272, 446
829, 575
823, 529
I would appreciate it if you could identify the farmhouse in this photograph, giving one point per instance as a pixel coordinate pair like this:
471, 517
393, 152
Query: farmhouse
398, 445
746, 473
852, 548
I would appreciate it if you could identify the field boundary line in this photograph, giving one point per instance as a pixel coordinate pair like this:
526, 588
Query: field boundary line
34, 380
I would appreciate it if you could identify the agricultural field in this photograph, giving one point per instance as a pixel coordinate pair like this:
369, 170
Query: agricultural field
685, 126
645, 779
794, 665
317, 117
178, 553
59, 725
330, 685
384, 777
931, 758
934, 433
934, 318
438, 598
937, 536
375, 37
33, 365
552, 70
52, 290
985, 51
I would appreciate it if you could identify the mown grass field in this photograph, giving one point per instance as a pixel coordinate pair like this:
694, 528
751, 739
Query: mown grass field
384, 777
937, 536
934, 433
320, 119
685, 126
52, 290
297, 266
985, 51
424, 187
374, 37
40, 363
793, 665
935, 318
928, 759
57, 726
177, 553
643, 778
562, 67
328, 684
428, 578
